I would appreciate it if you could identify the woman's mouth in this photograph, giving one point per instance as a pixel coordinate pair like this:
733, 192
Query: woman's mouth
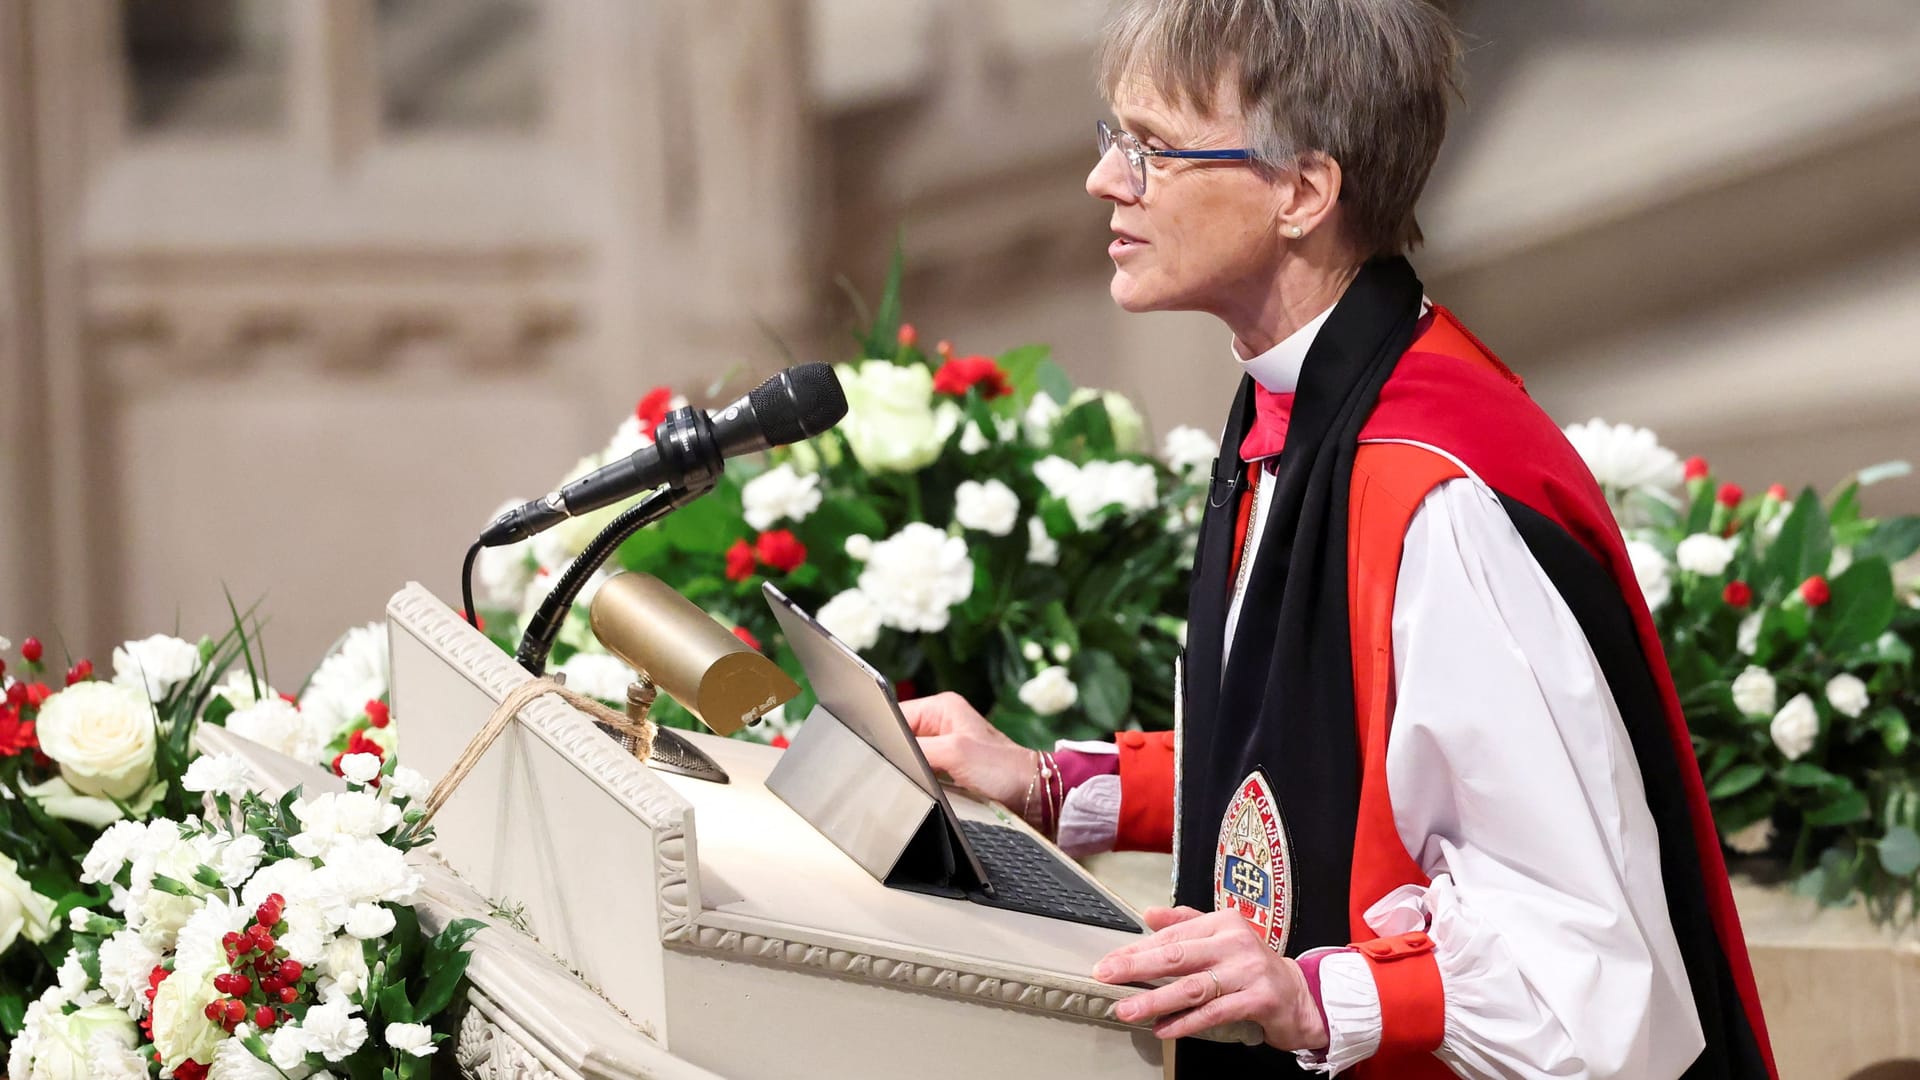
1124, 243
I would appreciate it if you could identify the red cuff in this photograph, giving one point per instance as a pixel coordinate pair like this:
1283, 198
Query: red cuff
1412, 1000
1146, 791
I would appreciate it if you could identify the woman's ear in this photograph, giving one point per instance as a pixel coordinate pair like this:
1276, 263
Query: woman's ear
1313, 195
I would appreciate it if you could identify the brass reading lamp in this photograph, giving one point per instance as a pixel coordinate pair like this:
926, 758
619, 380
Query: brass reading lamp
676, 647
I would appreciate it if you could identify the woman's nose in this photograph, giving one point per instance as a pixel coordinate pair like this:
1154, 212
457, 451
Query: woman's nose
1108, 178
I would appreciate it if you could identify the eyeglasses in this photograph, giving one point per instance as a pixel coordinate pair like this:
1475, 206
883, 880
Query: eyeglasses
1137, 155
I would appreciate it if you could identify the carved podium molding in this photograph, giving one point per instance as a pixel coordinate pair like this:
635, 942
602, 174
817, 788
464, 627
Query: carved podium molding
683, 924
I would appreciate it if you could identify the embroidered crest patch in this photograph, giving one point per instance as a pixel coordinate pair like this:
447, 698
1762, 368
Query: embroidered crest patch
1252, 862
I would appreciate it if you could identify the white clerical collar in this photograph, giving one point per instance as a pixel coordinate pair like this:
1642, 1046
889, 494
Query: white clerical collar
1278, 369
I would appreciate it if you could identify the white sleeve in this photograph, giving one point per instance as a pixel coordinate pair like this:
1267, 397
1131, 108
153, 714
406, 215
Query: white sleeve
1516, 790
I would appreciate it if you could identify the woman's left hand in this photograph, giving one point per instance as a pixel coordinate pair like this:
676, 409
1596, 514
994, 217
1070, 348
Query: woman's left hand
1222, 972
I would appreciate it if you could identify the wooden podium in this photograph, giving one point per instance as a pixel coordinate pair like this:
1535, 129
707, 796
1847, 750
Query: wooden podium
730, 933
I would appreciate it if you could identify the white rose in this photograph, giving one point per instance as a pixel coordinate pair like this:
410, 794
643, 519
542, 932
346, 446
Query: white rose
1129, 431
155, 665
1049, 692
279, 725
22, 910
102, 734
1753, 839
1847, 694
1704, 554
892, 423
331, 1031
991, 507
415, 1039
181, 1029
1625, 458
1747, 636
359, 768
853, 618
126, 962
1037, 422
61, 1050
1650, 570
779, 493
218, 774
1187, 450
1754, 693
973, 440
1795, 727
1042, 549
597, 675
59, 799
916, 576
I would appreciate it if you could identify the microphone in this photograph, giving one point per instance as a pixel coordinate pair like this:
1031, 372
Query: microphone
689, 449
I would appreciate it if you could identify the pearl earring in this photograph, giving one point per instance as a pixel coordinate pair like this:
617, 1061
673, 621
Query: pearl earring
1296, 231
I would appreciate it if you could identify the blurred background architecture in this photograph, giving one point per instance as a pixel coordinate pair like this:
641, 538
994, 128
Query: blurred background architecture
293, 293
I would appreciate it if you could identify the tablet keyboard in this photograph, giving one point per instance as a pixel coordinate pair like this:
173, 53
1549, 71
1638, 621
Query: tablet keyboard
1027, 877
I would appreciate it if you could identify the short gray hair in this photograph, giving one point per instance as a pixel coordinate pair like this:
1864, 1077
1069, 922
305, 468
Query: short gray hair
1366, 82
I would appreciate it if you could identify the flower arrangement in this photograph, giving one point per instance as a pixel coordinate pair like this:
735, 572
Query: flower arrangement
269, 940
976, 523
1791, 642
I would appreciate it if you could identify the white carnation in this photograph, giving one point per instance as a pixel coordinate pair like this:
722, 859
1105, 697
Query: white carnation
110, 1058
597, 675
279, 725
1625, 458
233, 1061
1841, 559
406, 784
361, 871
1062, 652
155, 665
218, 774
1129, 431
1847, 694
859, 547
1704, 554
343, 969
779, 493
1650, 570
369, 921
1049, 692
1795, 727
1042, 549
1754, 692
1089, 489
1037, 422
989, 507
112, 851
853, 617
415, 1039
1747, 635
916, 576
359, 768
1033, 652
1188, 449
1058, 475
241, 689
332, 1031
339, 818
973, 440
238, 859
352, 675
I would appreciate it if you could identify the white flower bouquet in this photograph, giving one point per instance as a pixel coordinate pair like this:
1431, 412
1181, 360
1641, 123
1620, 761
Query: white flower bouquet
1791, 639
269, 940
974, 524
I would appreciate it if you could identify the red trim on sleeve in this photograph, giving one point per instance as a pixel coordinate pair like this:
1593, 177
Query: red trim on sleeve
1413, 1003
1146, 791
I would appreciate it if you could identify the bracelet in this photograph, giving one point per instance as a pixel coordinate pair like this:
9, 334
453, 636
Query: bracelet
1026, 804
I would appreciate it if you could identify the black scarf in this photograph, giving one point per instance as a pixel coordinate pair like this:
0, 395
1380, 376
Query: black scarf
1286, 704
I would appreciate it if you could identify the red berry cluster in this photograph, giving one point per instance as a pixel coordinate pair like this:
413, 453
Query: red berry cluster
22, 703
263, 981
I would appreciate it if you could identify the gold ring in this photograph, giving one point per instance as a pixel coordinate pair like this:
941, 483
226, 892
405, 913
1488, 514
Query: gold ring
1217, 989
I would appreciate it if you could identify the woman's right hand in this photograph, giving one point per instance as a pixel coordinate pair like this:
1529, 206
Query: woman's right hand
960, 742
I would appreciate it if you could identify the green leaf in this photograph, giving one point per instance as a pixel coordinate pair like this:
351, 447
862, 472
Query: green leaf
1807, 774
1053, 379
1804, 547
1106, 691
1861, 607
443, 985
883, 334
1022, 366
394, 1006
1845, 807
1737, 779
1893, 728
1892, 540
1900, 851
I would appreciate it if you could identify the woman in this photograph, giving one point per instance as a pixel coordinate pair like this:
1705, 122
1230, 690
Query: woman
1520, 881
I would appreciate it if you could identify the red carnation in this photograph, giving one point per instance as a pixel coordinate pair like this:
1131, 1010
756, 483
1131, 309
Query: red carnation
1737, 594
17, 694
739, 561
780, 550
1815, 592
1730, 495
377, 713
290, 699
909, 337
38, 693
1777, 493
1696, 468
779, 742
747, 638
358, 743
964, 373
30, 650
15, 734
652, 409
